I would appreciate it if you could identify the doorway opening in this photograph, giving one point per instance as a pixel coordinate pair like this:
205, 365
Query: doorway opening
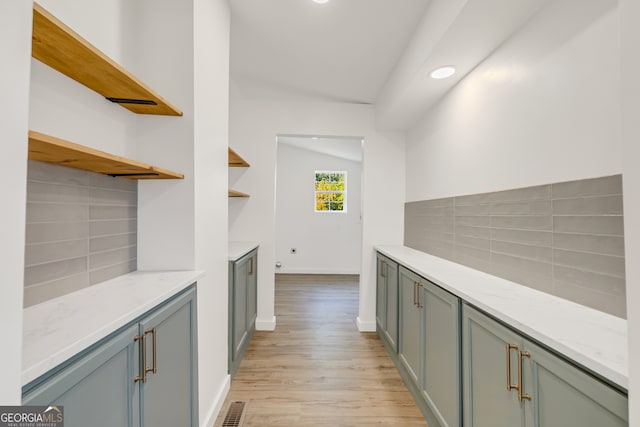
318, 205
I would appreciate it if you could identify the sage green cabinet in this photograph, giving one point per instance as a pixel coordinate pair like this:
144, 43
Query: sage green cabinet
488, 363
106, 385
387, 301
511, 381
97, 388
429, 346
170, 394
242, 307
411, 325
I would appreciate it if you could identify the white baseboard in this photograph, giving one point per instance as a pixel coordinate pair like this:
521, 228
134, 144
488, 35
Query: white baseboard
364, 326
316, 271
216, 407
266, 325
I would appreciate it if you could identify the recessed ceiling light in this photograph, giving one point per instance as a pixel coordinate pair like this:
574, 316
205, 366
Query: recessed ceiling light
321, 1
443, 72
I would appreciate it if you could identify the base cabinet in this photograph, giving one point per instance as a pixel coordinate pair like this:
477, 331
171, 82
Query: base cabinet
511, 381
429, 347
387, 301
242, 307
144, 374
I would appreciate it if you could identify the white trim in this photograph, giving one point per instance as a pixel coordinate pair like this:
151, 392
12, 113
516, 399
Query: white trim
266, 325
365, 326
217, 404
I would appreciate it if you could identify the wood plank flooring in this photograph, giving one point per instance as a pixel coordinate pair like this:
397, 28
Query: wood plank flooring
316, 368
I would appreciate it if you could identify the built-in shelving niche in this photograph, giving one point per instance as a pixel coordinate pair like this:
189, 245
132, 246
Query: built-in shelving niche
236, 161
46, 148
61, 48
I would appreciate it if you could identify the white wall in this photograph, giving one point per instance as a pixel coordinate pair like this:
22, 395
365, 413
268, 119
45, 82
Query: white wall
254, 125
543, 108
180, 224
630, 61
326, 243
64, 108
15, 51
211, 137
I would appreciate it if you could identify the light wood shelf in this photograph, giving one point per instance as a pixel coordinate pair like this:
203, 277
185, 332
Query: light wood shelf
236, 161
234, 193
61, 48
46, 148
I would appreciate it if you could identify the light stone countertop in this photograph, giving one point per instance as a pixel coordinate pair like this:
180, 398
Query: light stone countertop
56, 330
593, 339
239, 249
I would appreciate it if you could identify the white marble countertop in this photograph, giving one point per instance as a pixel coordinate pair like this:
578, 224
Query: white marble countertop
238, 249
58, 329
593, 339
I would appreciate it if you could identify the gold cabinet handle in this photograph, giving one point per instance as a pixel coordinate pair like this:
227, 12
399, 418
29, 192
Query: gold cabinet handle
382, 269
415, 293
510, 386
251, 266
154, 366
419, 304
522, 396
142, 378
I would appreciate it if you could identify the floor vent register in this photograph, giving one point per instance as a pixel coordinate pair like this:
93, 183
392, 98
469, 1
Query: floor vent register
235, 414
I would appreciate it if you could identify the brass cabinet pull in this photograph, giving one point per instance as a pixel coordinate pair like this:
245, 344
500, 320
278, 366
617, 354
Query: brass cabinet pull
419, 304
251, 266
522, 396
415, 293
510, 386
142, 378
382, 268
154, 366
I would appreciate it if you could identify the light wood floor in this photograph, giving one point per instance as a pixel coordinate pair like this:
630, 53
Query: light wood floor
316, 369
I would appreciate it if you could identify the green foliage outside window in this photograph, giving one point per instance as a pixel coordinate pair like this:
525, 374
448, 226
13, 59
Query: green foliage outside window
330, 190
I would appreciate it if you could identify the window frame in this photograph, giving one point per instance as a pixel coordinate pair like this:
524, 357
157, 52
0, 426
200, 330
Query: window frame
343, 192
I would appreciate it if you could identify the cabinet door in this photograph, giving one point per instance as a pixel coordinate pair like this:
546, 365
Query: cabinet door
239, 307
441, 381
381, 295
170, 394
411, 321
563, 395
252, 291
97, 389
487, 370
391, 310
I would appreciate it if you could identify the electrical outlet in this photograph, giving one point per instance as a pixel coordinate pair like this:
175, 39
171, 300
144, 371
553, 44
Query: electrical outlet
294, 251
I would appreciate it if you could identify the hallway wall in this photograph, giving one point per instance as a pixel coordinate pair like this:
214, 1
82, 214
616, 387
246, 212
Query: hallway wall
325, 242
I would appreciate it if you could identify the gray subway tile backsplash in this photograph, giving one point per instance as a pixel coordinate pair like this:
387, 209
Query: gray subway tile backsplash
607, 245
588, 187
602, 205
81, 230
565, 238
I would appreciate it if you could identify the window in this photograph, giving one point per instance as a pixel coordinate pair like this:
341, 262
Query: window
331, 191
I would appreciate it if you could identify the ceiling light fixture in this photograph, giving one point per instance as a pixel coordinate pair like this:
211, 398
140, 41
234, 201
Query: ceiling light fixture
321, 1
443, 72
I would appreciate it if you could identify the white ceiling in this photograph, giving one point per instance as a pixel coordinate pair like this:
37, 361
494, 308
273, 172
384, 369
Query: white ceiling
345, 148
367, 51
343, 50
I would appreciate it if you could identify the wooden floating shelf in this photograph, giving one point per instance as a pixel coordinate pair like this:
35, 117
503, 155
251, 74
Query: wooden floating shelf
236, 161
61, 48
46, 148
234, 193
